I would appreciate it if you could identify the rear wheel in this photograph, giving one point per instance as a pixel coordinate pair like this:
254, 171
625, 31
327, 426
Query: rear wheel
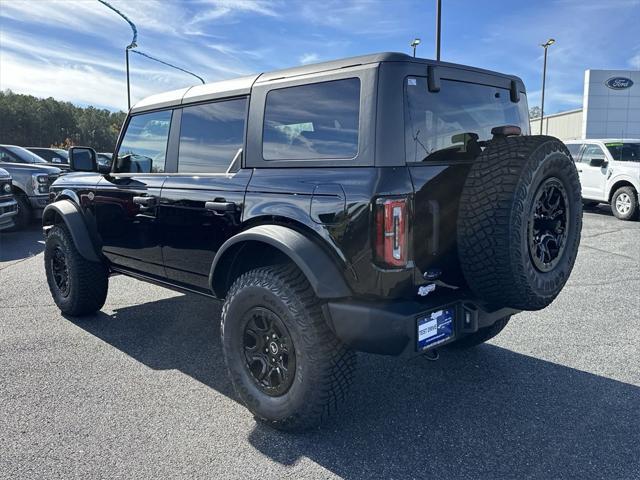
624, 203
520, 221
78, 286
286, 365
481, 336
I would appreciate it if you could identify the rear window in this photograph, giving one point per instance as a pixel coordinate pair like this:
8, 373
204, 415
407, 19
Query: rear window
447, 125
315, 121
624, 152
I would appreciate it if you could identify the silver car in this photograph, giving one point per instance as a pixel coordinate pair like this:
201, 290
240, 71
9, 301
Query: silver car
31, 179
8, 204
609, 172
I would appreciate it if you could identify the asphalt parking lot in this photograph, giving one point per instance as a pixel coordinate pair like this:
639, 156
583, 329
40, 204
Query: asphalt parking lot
139, 390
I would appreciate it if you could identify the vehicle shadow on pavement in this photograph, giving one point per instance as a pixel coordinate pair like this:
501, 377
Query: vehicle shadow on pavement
22, 244
179, 333
484, 413
600, 209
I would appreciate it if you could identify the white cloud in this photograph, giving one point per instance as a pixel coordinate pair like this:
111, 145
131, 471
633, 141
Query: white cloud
309, 58
217, 9
634, 61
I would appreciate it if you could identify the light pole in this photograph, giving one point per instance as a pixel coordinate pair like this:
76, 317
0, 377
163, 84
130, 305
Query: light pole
438, 24
133, 44
414, 44
545, 45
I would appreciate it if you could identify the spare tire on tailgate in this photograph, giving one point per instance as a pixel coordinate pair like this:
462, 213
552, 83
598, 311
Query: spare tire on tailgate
519, 222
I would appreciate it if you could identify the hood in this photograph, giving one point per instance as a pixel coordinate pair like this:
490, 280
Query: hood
62, 166
31, 167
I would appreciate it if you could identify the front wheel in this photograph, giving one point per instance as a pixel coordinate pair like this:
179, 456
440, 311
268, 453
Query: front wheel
286, 365
624, 203
23, 217
78, 286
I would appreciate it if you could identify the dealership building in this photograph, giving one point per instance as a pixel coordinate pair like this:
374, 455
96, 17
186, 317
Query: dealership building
610, 109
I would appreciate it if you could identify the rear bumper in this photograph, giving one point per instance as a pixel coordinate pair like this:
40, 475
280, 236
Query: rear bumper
8, 210
390, 328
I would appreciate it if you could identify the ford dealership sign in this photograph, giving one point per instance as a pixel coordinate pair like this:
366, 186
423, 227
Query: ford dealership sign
619, 83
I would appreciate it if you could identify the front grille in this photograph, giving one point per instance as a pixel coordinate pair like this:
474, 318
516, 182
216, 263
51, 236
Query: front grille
53, 177
6, 207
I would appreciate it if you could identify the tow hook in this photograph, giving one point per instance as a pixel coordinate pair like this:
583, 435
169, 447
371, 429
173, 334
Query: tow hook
431, 355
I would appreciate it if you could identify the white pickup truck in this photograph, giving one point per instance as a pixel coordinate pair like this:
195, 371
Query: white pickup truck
609, 171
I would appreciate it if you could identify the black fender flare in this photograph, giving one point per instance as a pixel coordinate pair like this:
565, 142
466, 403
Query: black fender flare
320, 269
74, 221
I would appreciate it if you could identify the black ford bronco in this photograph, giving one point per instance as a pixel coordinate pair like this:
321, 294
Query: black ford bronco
382, 204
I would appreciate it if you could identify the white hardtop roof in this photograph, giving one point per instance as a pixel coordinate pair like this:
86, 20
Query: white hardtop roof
209, 91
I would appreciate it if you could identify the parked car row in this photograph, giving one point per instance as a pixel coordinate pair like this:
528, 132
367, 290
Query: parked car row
25, 177
31, 177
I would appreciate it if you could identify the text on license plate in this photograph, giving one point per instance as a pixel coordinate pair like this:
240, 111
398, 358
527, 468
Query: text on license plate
435, 328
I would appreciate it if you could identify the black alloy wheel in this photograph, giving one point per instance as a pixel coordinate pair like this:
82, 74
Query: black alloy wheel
269, 353
60, 271
548, 224
77, 285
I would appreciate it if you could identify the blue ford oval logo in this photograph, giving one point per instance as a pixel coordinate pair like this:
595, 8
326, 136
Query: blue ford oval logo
618, 83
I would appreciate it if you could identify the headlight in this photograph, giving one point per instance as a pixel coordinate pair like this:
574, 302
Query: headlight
40, 183
6, 188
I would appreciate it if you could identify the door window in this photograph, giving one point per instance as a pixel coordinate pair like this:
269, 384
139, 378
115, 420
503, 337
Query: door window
591, 152
144, 146
211, 136
314, 121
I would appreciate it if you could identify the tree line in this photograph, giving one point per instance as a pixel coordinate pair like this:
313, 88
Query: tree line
29, 121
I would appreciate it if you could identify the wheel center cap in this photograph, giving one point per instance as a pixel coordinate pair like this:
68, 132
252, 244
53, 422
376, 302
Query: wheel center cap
273, 348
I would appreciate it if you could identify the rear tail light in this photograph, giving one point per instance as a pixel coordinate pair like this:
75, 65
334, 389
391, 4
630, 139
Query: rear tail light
391, 237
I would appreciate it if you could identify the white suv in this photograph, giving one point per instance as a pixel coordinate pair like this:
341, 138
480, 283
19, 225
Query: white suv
609, 172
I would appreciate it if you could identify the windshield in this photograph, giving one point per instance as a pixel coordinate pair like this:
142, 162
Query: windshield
25, 155
61, 153
451, 124
624, 152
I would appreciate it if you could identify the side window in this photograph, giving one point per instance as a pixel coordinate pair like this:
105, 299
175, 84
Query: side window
574, 150
211, 135
144, 146
591, 152
314, 121
5, 156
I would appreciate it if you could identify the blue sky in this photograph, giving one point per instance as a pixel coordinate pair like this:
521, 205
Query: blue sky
74, 49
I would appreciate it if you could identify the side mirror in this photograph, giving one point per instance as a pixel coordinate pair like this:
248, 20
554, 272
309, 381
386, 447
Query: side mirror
598, 162
82, 159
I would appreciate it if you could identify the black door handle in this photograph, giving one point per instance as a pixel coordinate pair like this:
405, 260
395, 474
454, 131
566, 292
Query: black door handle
145, 201
220, 206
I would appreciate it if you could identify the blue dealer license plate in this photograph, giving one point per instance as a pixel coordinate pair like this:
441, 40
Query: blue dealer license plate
435, 328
